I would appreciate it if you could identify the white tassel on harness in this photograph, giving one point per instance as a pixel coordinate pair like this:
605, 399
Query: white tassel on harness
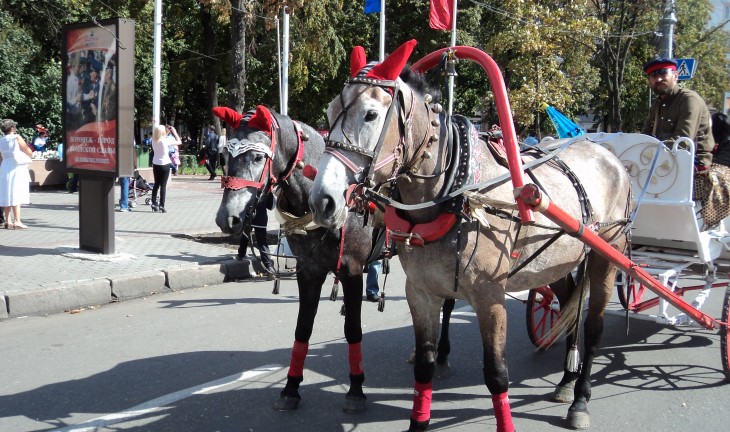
335, 290
572, 362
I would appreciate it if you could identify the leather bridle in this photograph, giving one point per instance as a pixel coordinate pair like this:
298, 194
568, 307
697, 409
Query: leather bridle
268, 180
363, 175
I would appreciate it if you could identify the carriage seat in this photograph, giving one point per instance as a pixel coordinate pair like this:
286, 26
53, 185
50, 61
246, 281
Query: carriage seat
667, 215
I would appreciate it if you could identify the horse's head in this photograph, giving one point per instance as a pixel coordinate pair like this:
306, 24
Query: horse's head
372, 135
248, 153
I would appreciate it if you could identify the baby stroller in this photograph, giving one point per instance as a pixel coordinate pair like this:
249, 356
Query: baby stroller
138, 186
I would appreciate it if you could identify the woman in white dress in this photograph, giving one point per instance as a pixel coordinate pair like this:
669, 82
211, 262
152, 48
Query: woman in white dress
14, 176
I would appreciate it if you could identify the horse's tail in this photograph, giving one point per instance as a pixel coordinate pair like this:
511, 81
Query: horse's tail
569, 312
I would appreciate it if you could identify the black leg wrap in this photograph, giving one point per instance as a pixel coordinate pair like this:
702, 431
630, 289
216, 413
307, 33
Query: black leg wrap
417, 426
357, 379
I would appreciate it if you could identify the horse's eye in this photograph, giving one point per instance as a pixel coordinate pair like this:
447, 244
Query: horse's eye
259, 158
371, 115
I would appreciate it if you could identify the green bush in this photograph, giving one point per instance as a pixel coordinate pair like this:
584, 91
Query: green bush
189, 165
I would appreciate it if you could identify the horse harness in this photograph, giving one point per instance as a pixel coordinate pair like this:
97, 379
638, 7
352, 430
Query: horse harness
268, 180
236, 147
462, 177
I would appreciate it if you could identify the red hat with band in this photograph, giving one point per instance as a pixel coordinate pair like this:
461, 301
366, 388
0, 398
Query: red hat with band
660, 63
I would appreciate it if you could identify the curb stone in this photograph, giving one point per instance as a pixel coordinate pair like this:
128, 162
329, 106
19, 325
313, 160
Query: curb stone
206, 274
128, 287
238, 269
3, 307
56, 299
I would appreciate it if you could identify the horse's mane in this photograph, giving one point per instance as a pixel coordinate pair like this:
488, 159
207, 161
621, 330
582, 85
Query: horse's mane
418, 83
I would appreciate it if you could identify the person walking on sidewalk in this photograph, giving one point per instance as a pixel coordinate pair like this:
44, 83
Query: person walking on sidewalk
161, 143
14, 174
259, 222
211, 151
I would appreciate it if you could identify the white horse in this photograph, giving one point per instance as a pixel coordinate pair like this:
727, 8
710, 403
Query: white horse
449, 205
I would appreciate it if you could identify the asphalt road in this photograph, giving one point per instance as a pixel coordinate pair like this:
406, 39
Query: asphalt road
215, 359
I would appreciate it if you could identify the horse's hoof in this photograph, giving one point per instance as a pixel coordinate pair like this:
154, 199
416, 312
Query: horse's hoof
354, 404
287, 403
418, 426
442, 371
562, 394
578, 420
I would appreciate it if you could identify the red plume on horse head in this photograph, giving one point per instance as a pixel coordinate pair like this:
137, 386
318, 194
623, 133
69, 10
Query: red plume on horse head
389, 69
231, 117
262, 120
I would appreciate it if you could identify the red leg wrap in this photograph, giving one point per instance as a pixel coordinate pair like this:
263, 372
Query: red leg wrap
355, 355
502, 413
298, 354
422, 402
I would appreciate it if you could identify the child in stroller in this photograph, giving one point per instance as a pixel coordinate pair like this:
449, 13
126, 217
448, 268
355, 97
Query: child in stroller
139, 187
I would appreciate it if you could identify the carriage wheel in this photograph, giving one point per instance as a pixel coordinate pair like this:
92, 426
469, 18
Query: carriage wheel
148, 201
543, 311
724, 333
629, 290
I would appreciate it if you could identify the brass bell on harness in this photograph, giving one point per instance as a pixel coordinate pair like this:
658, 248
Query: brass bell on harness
451, 68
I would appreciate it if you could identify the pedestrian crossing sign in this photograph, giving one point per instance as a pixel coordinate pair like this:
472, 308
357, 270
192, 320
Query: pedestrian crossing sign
685, 68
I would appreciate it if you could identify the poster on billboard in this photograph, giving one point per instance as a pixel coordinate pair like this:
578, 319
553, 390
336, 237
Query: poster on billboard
96, 108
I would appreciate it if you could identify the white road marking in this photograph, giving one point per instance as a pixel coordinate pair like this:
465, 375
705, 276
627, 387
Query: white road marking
159, 403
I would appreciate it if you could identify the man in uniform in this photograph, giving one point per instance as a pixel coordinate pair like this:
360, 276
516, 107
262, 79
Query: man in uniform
678, 112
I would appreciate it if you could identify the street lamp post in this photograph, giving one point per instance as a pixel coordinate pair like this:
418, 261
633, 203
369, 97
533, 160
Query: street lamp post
156, 64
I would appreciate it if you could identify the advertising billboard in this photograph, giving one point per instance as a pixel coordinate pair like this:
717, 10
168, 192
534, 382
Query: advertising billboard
98, 94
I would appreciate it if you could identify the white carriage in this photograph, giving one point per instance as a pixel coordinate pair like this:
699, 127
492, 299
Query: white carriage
669, 240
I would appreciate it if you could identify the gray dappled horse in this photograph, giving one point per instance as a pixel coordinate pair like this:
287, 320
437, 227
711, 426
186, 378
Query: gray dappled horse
448, 204
268, 150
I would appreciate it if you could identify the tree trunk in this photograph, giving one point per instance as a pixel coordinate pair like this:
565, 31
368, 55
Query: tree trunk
211, 77
237, 99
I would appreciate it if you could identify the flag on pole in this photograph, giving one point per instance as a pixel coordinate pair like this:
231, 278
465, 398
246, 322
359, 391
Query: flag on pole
372, 6
565, 127
441, 14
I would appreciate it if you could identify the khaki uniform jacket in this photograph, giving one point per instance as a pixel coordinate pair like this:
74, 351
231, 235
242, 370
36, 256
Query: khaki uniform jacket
682, 113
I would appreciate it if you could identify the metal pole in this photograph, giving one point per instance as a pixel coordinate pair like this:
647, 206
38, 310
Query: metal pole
278, 56
451, 78
285, 72
669, 19
381, 55
537, 94
156, 64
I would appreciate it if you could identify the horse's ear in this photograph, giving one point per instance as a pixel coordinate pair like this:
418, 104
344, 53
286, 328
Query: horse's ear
231, 117
392, 66
262, 120
357, 60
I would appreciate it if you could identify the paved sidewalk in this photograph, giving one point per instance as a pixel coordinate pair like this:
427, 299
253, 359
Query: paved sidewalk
43, 271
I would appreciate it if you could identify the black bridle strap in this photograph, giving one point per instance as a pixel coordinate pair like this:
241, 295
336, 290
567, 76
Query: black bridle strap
394, 107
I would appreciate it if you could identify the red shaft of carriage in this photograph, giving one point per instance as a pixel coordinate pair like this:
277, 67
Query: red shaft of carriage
530, 198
